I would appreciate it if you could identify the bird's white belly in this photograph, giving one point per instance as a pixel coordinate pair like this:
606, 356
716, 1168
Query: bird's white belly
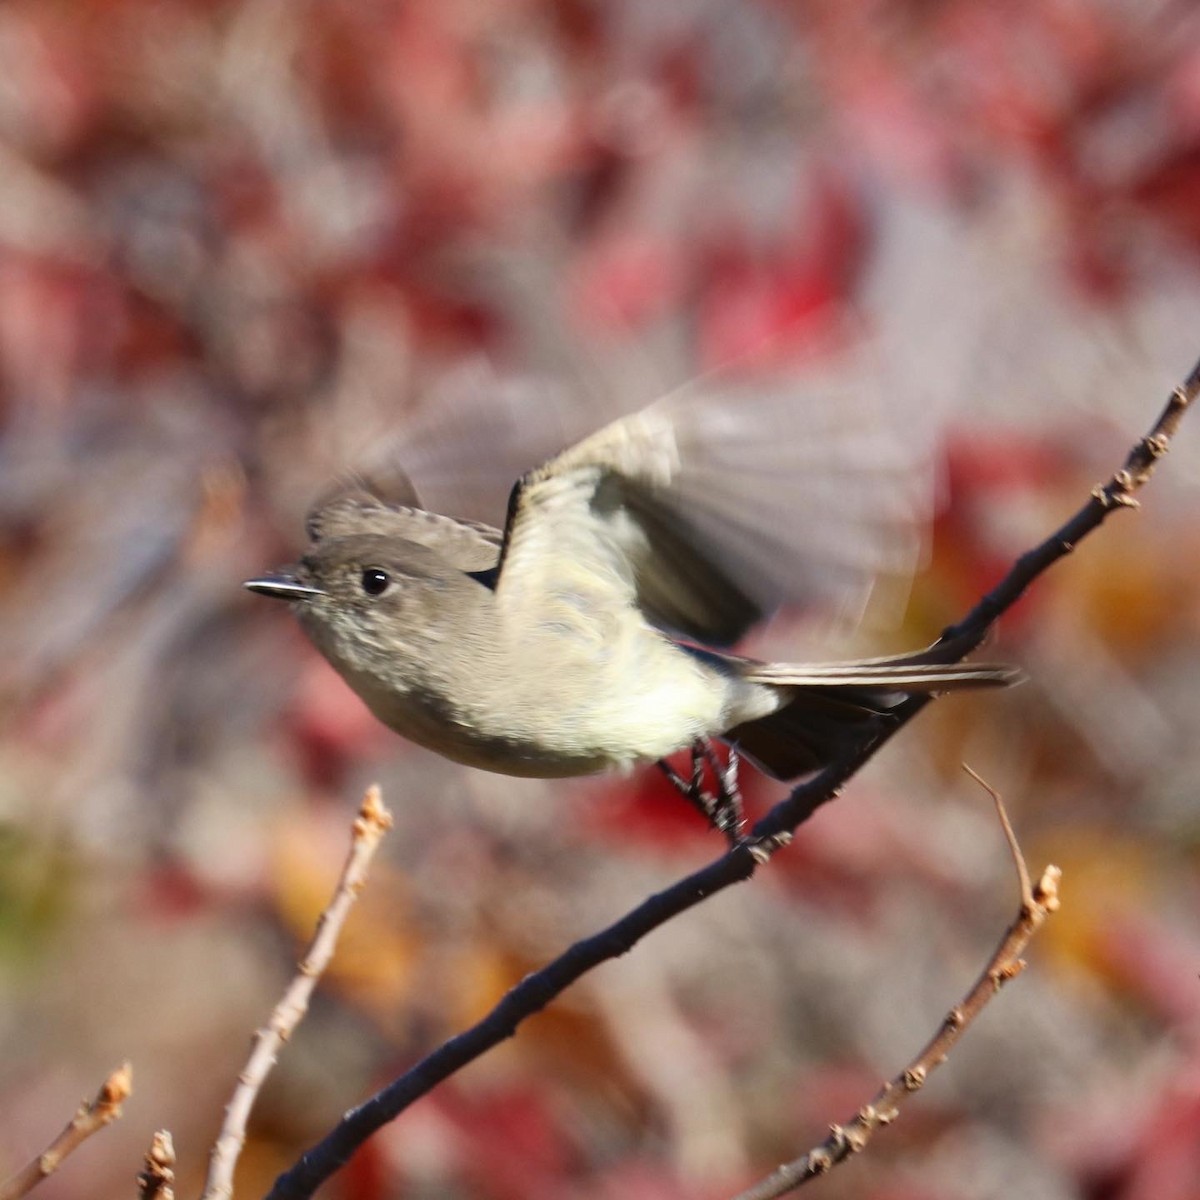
617, 694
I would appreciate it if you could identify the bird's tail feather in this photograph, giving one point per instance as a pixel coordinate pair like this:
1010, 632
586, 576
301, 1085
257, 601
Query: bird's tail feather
902, 675
835, 707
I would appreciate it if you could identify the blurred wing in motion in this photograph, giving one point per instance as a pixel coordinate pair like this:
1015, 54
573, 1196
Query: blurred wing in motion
712, 509
473, 436
444, 480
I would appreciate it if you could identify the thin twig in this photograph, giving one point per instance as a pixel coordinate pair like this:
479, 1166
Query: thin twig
1037, 903
89, 1118
372, 823
157, 1179
1009, 836
535, 991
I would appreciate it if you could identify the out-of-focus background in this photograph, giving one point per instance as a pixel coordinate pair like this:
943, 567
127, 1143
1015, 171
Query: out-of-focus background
239, 238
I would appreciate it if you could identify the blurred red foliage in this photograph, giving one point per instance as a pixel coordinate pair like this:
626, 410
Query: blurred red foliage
241, 239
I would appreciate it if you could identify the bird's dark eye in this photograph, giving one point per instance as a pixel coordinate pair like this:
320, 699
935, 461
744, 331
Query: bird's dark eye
374, 581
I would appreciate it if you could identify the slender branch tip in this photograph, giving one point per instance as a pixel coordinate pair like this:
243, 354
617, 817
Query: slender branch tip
1028, 896
116, 1089
1045, 895
374, 817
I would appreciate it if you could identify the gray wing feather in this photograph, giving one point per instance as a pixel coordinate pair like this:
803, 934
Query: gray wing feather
459, 455
474, 435
713, 509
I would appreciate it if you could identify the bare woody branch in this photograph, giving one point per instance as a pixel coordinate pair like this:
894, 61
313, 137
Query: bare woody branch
89, 1118
157, 1178
967, 634
373, 821
535, 991
1037, 903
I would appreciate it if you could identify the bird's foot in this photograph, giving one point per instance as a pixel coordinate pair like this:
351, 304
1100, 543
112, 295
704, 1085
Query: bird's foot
720, 806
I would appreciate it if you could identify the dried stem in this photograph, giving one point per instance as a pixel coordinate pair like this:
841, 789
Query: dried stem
1037, 903
1014, 847
157, 1179
535, 991
89, 1118
372, 823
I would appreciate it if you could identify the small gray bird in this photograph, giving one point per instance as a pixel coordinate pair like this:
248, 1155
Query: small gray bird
590, 633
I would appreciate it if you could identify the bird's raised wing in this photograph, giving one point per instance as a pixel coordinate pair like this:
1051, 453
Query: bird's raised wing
449, 470
711, 510
475, 432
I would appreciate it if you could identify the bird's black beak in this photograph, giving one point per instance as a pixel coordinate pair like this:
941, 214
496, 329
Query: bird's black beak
283, 586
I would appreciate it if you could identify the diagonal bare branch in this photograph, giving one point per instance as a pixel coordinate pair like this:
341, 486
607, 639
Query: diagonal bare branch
535, 991
1037, 903
372, 823
89, 1118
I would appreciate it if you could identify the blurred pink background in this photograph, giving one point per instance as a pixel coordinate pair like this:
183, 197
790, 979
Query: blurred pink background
240, 239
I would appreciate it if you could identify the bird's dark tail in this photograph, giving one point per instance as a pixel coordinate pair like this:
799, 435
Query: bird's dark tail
833, 708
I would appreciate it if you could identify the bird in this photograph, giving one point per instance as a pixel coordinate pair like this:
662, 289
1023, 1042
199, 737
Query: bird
595, 629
